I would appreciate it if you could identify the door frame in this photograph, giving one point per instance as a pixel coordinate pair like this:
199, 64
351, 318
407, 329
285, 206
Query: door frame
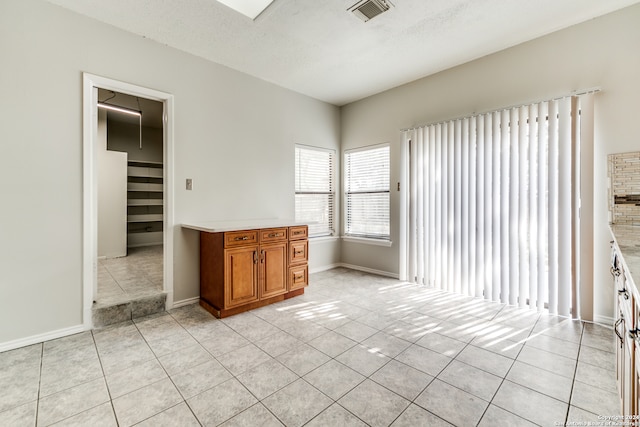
91, 83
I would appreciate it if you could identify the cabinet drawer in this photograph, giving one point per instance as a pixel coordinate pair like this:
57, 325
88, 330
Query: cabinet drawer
298, 232
298, 251
273, 235
298, 277
240, 238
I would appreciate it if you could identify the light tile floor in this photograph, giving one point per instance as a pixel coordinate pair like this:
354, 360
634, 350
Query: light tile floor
355, 350
137, 275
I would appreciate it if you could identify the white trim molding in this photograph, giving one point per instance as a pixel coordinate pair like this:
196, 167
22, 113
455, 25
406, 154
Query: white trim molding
323, 268
91, 83
367, 241
187, 301
40, 338
369, 270
603, 320
323, 239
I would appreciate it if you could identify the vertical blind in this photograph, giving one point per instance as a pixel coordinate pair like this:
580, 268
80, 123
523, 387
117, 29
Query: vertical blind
493, 204
315, 189
367, 192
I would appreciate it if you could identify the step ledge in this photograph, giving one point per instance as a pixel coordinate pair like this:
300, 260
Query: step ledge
107, 315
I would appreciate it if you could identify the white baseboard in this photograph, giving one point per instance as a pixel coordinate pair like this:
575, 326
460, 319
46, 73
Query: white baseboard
184, 302
604, 320
323, 268
369, 270
36, 339
169, 304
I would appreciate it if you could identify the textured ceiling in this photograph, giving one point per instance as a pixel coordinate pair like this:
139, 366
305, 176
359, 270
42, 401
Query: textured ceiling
319, 49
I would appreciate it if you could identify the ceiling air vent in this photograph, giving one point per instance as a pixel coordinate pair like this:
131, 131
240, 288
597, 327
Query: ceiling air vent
367, 9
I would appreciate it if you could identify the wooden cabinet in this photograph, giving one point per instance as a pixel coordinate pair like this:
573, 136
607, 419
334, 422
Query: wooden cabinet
625, 328
245, 269
625, 269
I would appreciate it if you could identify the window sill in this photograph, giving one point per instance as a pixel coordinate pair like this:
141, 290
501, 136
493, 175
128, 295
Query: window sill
322, 239
367, 241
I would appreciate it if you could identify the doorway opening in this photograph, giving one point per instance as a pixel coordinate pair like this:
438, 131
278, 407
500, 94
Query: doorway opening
128, 219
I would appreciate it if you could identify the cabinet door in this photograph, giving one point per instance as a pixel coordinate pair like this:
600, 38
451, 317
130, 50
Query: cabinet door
619, 331
273, 270
636, 377
628, 403
240, 276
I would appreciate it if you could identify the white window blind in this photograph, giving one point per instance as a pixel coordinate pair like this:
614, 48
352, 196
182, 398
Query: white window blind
494, 204
315, 189
367, 192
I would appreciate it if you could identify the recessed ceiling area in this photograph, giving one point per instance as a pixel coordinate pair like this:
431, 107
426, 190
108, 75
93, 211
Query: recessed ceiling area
151, 110
249, 8
321, 49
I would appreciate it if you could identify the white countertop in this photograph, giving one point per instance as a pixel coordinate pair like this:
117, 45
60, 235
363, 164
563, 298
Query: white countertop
627, 238
249, 224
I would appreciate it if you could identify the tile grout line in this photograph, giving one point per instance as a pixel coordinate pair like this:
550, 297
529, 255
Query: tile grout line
39, 382
467, 344
104, 377
504, 378
230, 373
184, 400
575, 371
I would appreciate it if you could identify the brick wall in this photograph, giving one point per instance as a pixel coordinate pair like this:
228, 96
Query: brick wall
624, 188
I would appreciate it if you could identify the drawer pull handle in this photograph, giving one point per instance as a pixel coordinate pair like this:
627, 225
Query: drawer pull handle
296, 233
298, 278
298, 252
237, 239
615, 329
276, 234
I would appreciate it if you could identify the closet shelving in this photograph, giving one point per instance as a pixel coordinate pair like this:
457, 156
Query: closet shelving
144, 203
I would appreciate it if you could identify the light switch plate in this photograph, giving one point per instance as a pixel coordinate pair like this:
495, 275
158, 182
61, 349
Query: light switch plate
189, 184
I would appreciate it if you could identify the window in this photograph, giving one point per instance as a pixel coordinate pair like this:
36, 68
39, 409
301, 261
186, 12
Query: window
367, 192
315, 191
494, 203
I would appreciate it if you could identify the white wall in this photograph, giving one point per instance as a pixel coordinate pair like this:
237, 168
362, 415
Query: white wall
234, 135
602, 52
